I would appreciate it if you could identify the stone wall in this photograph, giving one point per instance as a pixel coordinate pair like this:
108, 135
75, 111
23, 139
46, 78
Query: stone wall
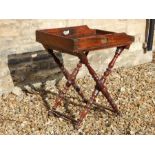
20, 52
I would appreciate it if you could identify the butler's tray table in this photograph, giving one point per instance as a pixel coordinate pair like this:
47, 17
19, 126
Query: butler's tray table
79, 41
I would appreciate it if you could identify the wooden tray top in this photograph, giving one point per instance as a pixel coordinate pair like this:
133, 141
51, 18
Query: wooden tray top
78, 39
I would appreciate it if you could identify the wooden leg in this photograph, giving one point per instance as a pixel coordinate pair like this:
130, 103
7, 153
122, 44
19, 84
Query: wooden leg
71, 81
109, 69
100, 83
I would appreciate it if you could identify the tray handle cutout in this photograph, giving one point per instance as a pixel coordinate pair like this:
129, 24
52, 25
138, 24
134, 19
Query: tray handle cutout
66, 32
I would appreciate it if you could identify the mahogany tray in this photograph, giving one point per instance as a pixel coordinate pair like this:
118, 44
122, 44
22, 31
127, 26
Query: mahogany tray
77, 39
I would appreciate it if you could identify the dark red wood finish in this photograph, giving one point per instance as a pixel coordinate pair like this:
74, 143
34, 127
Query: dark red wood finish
79, 41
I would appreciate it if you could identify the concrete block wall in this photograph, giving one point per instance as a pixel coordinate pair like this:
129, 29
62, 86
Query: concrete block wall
18, 37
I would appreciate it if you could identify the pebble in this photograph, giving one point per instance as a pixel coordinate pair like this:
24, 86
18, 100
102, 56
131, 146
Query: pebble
50, 85
17, 91
28, 89
37, 86
131, 88
132, 132
122, 89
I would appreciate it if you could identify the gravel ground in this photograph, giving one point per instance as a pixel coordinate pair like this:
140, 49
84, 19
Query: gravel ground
133, 90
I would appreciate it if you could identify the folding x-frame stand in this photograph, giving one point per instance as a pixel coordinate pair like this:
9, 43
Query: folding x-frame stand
99, 87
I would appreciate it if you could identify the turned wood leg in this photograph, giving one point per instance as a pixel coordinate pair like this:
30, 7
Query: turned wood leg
99, 86
118, 51
70, 79
100, 83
